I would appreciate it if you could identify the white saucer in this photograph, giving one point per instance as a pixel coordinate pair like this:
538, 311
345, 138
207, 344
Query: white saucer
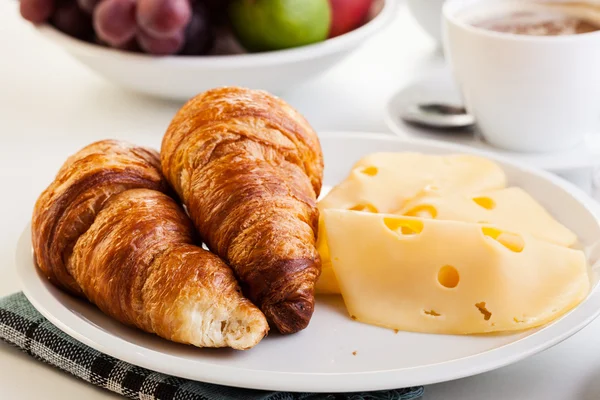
440, 87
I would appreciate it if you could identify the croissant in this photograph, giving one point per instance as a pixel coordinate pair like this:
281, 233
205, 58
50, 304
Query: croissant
107, 230
249, 168
69, 206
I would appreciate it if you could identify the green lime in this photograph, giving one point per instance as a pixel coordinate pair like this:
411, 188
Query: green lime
263, 25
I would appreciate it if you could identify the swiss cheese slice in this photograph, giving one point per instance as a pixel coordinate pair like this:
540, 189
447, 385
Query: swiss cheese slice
384, 182
450, 277
512, 209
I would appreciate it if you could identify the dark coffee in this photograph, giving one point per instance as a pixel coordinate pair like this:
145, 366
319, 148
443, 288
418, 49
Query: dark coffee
538, 23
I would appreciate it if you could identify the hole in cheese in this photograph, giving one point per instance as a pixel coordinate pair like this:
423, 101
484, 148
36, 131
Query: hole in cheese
481, 307
365, 208
485, 202
423, 211
404, 226
433, 313
448, 276
511, 241
371, 171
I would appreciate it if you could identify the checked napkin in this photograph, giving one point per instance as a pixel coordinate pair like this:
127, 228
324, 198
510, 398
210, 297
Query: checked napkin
22, 326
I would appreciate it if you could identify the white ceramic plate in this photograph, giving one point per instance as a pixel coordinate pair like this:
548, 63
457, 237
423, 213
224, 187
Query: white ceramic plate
320, 359
438, 86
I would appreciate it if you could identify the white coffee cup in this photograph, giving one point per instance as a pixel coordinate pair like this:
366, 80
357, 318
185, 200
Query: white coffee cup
527, 93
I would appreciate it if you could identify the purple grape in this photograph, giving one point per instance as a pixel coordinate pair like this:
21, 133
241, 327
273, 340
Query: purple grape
199, 35
88, 5
98, 41
216, 5
69, 18
163, 18
114, 21
36, 11
160, 46
217, 10
131, 45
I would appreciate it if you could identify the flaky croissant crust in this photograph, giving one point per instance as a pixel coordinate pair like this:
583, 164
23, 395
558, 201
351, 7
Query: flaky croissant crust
68, 207
105, 229
138, 264
249, 169
231, 114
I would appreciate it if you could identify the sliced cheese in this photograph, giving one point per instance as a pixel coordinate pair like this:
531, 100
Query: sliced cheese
511, 209
384, 182
450, 277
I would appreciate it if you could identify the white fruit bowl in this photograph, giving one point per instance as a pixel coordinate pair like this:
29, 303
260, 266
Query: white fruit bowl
181, 77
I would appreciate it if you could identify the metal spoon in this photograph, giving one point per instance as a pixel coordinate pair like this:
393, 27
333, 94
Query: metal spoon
438, 116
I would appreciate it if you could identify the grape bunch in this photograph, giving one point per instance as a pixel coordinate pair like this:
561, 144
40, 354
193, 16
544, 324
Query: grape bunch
159, 27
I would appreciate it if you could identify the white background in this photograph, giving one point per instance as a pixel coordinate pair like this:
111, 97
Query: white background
50, 106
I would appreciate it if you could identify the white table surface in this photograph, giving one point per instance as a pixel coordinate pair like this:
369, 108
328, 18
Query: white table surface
50, 106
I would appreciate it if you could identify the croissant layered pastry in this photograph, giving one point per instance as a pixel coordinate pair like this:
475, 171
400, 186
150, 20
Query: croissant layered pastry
68, 207
107, 229
249, 169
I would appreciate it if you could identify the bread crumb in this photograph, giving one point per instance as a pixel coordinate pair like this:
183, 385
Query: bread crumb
354, 353
353, 317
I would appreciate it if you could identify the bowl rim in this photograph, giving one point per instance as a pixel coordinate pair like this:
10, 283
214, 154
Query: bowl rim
302, 53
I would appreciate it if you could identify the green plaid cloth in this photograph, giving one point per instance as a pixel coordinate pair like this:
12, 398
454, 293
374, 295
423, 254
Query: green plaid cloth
22, 326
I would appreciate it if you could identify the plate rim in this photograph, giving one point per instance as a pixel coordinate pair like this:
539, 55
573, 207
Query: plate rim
36, 290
